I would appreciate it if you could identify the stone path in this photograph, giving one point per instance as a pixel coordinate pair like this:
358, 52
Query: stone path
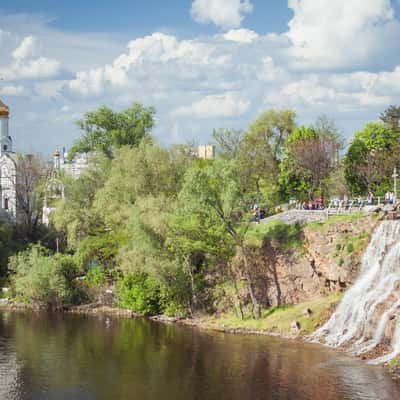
292, 217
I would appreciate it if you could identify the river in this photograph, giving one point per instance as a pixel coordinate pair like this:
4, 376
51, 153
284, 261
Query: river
68, 357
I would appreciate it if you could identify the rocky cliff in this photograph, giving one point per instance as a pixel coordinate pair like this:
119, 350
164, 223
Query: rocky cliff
326, 261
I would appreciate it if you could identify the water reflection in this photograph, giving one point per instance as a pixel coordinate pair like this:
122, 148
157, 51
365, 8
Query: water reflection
74, 357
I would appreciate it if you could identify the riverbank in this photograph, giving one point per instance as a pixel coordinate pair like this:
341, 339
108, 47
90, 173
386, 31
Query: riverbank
289, 321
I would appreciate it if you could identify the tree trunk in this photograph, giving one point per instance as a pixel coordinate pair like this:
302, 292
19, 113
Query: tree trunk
250, 287
239, 302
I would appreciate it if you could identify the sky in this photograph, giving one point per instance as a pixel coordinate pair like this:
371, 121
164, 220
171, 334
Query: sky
203, 64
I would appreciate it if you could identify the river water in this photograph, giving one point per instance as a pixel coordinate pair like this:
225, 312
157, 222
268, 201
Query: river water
55, 356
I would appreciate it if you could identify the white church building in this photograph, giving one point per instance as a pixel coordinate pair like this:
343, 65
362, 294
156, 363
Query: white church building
8, 170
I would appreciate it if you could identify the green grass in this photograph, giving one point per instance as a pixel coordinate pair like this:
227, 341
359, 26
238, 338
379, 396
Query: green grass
279, 319
393, 363
284, 235
334, 219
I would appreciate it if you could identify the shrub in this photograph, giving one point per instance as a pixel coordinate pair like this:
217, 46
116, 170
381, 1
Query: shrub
39, 278
140, 292
393, 363
283, 235
341, 262
338, 247
350, 248
96, 276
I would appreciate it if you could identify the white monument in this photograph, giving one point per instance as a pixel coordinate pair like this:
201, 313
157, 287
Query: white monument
8, 169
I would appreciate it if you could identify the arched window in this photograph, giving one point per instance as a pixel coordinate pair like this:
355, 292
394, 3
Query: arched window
6, 203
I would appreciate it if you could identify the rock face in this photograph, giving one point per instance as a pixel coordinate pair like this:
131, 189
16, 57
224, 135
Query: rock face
327, 263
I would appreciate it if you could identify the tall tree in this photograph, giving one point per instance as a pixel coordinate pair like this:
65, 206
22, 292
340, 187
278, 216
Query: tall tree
391, 118
261, 150
311, 155
214, 194
371, 157
104, 130
229, 142
30, 187
273, 127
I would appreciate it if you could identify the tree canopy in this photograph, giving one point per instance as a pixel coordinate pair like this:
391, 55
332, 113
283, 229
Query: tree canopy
105, 130
371, 157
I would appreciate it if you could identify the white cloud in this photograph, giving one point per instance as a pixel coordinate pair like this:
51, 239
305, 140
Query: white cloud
11, 90
220, 105
241, 35
25, 49
223, 13
41, 67
332, 34
156, 49
339, 93
269, 72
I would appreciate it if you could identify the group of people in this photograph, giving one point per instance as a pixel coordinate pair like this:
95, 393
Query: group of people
258, 213
389, 198
318, 204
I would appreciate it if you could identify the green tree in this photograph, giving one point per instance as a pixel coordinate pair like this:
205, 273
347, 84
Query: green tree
215, 196
391, 118
229, 142
370, 159
6, 246
311, 155
31, 176
273, 127
261, 150
147, 170
105, 130
74, 215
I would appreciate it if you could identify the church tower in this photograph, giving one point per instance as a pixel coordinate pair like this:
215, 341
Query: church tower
5, 139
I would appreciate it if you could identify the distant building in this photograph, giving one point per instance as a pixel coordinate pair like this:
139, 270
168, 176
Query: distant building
206, 152
73, 168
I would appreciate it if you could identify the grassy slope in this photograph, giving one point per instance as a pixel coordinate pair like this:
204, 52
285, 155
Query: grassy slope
279, 319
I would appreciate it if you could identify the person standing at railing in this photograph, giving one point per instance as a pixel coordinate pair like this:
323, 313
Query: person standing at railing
360, 203
370, 198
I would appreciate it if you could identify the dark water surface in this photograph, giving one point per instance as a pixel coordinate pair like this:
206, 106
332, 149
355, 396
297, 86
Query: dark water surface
76, 357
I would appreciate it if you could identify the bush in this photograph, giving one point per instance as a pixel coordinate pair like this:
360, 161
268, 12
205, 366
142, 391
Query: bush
277, 232
96, 276
7, 245
338, 247
350, 248
393, 363
39, 278
140, 292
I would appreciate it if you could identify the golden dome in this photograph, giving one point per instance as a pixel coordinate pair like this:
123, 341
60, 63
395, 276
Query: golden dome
4, 111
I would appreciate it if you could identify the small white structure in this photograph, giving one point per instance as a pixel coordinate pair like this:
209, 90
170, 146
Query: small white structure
206, 152
75, 167
55, 188
8, 170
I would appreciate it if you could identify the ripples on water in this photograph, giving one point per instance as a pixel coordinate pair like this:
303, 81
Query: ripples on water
46, 357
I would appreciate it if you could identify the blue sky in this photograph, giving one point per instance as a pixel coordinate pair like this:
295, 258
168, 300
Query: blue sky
142, 17
203, 64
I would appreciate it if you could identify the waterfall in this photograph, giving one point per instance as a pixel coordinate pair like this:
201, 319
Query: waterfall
372, 305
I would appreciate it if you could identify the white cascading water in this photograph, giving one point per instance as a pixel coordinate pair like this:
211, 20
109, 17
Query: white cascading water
361, 318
